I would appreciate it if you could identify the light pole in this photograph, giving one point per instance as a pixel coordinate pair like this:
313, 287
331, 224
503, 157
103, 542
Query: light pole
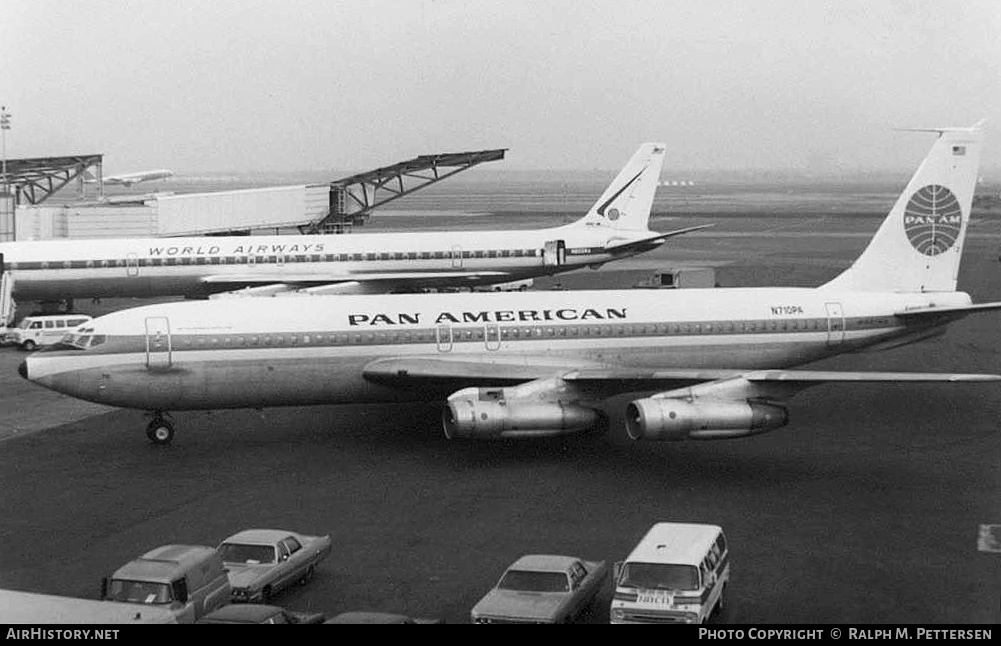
4, 127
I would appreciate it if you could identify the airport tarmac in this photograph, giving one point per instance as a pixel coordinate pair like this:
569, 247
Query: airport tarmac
865, 509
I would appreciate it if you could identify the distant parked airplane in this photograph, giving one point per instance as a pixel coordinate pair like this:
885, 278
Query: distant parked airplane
128, 179
515, 364
614, 228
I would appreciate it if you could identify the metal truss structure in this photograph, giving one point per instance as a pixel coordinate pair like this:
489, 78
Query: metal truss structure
35, 180
352, 199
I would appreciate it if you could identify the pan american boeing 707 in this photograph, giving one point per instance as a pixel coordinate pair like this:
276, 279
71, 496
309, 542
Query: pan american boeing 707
544, 363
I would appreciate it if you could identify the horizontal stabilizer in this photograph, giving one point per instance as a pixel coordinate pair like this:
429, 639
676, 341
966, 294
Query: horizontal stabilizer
815, 376
954, 309
653, 240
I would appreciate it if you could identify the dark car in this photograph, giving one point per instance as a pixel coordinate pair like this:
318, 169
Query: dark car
378, 618
242, 613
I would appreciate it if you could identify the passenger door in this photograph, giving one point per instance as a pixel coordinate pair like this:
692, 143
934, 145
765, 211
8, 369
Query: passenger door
132, 266
554, 253
158, 351
491, 336
443, 337
835, 324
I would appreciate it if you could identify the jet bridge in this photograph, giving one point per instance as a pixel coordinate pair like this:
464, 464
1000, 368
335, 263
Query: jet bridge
352, 199
36, 179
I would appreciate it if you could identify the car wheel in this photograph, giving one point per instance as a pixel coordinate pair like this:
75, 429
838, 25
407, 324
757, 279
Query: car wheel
308, 576
29, 345
266, 594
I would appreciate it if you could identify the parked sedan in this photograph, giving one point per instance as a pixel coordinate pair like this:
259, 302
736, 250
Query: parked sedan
542, 589
358, 617
263, 562
240, 613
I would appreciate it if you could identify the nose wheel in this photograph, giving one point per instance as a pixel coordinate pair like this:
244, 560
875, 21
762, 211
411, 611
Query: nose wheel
160, 431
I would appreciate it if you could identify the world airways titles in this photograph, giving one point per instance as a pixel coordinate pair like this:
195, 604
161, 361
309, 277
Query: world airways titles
491, 316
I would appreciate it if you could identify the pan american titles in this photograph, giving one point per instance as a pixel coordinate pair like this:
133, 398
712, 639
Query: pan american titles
492, 316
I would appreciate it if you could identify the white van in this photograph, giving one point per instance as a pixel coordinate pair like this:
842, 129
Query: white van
189, 581
35, 331
677, 573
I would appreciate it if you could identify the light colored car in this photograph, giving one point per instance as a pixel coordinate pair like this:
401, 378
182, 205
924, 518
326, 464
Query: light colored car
542, 589
242, 613
263, 562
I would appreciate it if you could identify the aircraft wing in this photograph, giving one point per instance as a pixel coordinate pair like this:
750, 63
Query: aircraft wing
645, 244
770, 384
409, 371
318, 280
533, 396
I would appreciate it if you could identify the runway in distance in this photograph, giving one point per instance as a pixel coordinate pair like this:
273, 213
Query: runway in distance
615, 227
543, 363
128, 179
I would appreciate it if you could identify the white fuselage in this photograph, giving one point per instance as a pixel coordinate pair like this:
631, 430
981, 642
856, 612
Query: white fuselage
314, 350
60, 270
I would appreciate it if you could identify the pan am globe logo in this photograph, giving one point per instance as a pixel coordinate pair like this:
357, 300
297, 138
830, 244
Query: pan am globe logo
932, 220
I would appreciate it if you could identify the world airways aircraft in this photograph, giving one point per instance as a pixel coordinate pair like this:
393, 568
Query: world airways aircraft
543, 363
616, 227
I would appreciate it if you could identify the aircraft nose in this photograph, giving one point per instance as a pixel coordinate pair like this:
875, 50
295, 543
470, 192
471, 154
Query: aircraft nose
23, 369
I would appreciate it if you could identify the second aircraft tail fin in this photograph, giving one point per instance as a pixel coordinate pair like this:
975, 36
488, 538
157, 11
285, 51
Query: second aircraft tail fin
626, 203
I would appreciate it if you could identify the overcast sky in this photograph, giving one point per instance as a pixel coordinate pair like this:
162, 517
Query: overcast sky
321, 84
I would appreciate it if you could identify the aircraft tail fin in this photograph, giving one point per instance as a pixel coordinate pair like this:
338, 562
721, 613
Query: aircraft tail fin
626, 203
919, 245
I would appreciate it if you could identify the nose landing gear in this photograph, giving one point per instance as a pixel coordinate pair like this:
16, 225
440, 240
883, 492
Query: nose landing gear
160, 430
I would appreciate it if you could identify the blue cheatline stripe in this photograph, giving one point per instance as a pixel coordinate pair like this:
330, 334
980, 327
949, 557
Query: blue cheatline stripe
492, 333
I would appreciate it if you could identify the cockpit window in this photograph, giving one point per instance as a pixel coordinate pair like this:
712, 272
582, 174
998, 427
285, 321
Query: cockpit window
78, 341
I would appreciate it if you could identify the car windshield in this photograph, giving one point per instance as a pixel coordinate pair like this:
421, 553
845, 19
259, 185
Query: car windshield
527, 581
139, 592
253, 554
659, 576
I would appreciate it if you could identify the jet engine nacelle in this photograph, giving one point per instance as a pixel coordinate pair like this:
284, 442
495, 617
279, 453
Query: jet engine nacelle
664, 418
482, 414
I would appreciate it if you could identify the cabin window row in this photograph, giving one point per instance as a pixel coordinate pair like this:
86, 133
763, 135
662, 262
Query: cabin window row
460, 334
171, 261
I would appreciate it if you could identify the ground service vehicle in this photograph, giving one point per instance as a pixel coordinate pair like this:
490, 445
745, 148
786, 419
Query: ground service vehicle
681, 278
32, 608
188, 580
542, 589
263, 562
677, 573
36, 331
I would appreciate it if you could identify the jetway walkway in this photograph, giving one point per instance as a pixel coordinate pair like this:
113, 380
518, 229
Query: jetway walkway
352, 199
